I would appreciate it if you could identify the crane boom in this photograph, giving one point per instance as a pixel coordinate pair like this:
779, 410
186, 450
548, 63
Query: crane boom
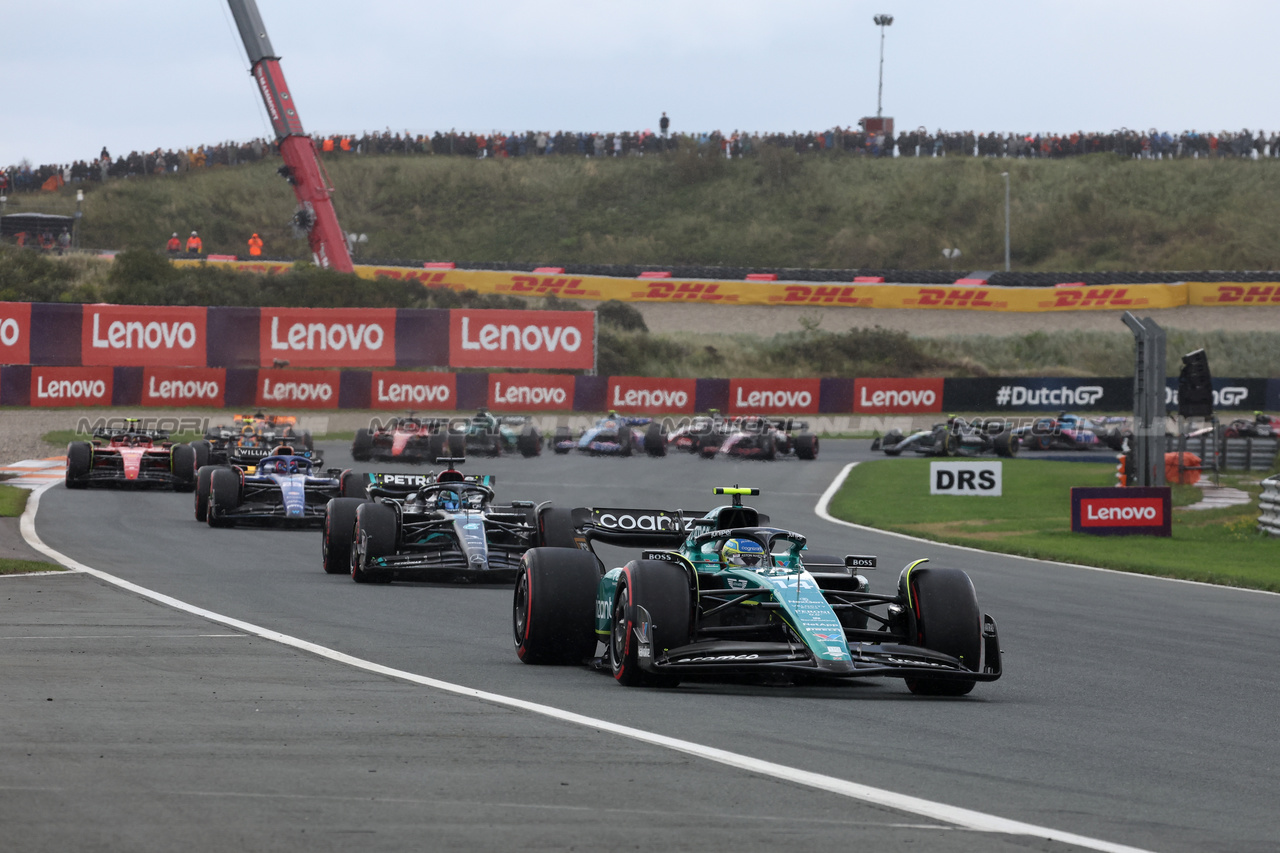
301, 162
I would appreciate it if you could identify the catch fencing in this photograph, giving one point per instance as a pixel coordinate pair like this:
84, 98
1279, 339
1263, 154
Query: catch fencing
1237, 454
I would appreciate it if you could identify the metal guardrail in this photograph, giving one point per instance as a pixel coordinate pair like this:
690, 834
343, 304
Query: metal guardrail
1269, 506
1238, 454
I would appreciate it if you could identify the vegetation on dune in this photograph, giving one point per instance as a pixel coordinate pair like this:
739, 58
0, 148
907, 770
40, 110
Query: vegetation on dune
1100, 212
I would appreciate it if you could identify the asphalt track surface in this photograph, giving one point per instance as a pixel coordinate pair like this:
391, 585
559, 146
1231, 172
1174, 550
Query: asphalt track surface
1134, 711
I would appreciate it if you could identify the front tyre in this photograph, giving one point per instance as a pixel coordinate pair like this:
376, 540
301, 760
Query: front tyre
339, 521
553, 613
203, 486
79, 463
362, 446
182, 463
949, 621
224, 496
655, 443
374, 536
662, 589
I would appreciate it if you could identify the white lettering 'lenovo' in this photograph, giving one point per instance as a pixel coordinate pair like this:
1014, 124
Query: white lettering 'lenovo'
296, 392
176, 389
135, 334
10, 332
56, 389
774, 399
1120, 513
649, 398
508, 337
529, 395
330, 336
898, 398
408, 392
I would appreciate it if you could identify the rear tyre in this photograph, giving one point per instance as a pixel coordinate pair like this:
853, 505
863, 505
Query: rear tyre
182, 462
707, 446
351, 485
555, 526
335, 548
948, 620
655, 443
437, 446
1005, 444
768, 447
529, 442
457, 445
79, 463
663, 590
806, 446
374, 536
362, 446
554, 610
224, 496
203, 449
203, 478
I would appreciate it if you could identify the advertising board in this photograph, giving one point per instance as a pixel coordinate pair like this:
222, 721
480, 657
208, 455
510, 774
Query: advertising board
1122, 512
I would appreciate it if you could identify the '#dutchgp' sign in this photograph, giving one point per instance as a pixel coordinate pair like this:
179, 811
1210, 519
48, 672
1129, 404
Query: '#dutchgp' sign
1121, 512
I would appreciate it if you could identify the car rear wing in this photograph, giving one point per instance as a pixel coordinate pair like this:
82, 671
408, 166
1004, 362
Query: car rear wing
635, 528
397, 485
106, 434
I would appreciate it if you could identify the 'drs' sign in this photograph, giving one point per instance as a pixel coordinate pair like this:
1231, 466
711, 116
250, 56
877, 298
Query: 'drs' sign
965, 478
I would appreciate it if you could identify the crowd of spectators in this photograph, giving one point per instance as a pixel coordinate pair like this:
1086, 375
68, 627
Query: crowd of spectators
1152, 144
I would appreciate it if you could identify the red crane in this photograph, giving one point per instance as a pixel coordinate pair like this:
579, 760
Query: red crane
301, 166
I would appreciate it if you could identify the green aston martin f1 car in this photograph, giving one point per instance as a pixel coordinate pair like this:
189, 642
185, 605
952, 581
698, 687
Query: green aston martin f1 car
722, 593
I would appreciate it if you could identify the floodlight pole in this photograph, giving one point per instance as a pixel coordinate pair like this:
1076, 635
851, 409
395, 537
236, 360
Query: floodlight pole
1005, 175
881, 21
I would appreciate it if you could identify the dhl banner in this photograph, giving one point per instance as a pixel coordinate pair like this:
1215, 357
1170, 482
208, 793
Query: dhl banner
851, 295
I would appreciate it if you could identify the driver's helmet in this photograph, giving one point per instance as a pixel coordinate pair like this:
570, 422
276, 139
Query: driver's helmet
293, 466
742, 552
448, 499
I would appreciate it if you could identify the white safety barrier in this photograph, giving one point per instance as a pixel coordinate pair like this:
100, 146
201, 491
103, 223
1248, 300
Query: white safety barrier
1269, 504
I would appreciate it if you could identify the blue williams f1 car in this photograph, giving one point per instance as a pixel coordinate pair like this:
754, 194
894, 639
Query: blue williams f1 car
282, 489
732, 598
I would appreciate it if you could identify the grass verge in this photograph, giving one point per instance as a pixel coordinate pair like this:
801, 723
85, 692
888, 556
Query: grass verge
1033, 519
13, 501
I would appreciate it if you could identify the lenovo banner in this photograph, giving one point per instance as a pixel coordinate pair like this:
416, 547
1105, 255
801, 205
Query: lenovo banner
405, 389
143, 336
640, 395
534, 339
327, 337
184, 386
15, 332
1122, 512
896, 396
1037, 394
530, 392
773, 396
303, 389
71, 386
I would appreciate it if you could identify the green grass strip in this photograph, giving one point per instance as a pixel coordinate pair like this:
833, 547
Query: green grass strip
1032, 518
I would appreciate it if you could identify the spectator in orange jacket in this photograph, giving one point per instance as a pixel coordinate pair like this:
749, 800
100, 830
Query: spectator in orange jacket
194, 244
175, 245
255, 246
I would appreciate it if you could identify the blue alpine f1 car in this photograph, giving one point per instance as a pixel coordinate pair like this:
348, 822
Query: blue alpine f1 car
614, 435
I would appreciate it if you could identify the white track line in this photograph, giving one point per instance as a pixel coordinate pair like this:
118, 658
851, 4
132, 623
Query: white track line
820, 510
973, 820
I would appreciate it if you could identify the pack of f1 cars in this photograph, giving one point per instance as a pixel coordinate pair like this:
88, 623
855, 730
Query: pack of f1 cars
723, 595
249, 438
614, 435
286, 489
745, 437
424, 440
435, 527
130, 457
1262, 426
953, 438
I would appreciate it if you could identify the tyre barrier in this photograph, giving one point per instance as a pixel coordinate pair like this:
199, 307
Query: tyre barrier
1269, 506
1237, 454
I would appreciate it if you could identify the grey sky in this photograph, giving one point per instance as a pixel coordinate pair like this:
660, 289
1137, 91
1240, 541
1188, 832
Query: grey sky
167, 73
